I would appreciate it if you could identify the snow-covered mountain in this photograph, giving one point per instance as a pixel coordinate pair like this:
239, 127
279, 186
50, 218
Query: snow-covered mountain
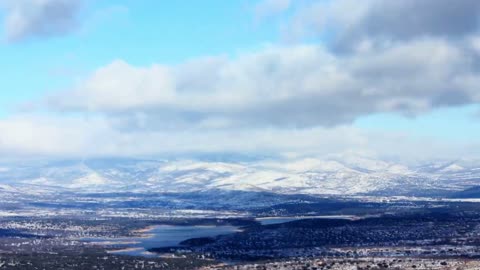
341, 175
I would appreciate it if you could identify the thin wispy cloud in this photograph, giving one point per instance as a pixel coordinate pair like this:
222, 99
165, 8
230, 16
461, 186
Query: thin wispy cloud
267, 8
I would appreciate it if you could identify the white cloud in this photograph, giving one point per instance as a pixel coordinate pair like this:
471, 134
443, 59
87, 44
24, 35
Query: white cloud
296, 86
298, 99
73, 136
279, 99
39, 18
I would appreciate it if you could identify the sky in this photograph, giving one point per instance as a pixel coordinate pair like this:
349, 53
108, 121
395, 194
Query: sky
86, 78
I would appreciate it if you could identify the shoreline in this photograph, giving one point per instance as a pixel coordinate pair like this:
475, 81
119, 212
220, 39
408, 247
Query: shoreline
114, 251
345, 217
145, 230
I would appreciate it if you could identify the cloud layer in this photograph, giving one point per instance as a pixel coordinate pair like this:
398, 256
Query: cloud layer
295, 86
39, 18
30, 136
376, 56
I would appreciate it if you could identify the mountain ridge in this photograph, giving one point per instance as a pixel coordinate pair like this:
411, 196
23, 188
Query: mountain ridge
329, 176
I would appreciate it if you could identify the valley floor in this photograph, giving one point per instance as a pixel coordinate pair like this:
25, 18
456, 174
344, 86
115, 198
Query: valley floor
288, 234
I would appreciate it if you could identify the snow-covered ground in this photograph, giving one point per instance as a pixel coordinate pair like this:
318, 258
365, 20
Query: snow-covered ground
336, 175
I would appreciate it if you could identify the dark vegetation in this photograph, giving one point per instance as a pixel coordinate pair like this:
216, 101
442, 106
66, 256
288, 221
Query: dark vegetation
89, 261
15, 233
434, 227
445, 227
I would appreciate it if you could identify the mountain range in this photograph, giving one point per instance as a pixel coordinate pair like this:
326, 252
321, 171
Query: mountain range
341, 175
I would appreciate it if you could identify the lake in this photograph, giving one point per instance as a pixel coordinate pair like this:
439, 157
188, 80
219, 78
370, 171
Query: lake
172, 235
160, 236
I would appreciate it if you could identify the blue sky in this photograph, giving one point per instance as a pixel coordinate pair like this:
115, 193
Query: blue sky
141, 33
322, 45
458, 124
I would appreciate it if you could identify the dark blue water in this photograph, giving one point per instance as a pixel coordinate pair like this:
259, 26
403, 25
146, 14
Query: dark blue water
161, 236
270, 221
172, 236
279, 220
168, 236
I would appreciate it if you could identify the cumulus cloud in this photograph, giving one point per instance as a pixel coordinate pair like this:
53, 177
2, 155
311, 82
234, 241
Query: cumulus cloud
404, 57
296, 86
39, 18
401, 57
